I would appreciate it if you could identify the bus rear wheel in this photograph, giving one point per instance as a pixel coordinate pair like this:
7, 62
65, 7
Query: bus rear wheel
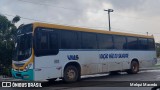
71, 74
134, 68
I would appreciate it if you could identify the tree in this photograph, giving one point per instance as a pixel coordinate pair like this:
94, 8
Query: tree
7, 34
16, 19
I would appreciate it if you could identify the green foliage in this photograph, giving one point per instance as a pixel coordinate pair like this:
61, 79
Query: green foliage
16, 19
7, 34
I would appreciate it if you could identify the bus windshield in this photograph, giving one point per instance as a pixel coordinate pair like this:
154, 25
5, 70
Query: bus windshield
23, 46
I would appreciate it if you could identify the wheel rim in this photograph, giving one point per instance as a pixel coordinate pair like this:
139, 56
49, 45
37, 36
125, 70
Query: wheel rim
71, 74
135, 67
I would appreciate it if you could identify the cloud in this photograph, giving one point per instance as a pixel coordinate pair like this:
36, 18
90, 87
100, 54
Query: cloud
142, 7
126, 4
128, 16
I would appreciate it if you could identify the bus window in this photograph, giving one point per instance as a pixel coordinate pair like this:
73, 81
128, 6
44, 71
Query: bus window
43, 38
69, 40
120, 42
105, 41
89, 41
46, 42
143, 44
53, 40
151, 44
132, 43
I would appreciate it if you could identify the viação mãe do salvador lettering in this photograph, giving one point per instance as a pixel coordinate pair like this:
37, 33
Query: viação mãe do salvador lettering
112, 55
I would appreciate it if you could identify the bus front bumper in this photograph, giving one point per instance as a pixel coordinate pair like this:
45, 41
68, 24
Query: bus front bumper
25, 75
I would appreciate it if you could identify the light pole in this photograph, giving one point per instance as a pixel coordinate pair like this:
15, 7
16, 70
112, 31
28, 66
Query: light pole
109, 10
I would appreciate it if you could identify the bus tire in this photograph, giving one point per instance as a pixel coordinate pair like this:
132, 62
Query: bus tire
71, 74
134, 69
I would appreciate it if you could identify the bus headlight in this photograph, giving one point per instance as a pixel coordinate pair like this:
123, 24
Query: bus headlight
28, 66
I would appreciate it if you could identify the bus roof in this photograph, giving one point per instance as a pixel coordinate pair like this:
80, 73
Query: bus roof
37, 24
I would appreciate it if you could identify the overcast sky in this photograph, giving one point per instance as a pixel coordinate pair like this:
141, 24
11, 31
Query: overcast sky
132, 16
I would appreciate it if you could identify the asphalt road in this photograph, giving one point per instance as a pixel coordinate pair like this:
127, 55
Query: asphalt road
103, 82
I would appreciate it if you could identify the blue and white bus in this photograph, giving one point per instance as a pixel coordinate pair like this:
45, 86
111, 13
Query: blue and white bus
49, 51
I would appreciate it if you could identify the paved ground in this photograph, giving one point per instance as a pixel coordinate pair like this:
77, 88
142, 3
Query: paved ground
100, 81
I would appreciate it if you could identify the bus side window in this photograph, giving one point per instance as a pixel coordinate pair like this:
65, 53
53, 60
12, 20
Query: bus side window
105, 41
151, 44
132, 43
46, 42
143, 45
41, 39
120, 42
89, 40
53, 40
69, 40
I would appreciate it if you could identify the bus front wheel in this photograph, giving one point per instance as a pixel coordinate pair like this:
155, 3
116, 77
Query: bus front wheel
134, 68
71, 74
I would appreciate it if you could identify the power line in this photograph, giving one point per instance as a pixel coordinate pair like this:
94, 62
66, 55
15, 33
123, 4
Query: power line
25, 18
74, 25
49, 22
79, 26
67, 8
76, 10
49, 5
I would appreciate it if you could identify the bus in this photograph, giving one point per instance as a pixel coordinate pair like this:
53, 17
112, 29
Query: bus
49, 51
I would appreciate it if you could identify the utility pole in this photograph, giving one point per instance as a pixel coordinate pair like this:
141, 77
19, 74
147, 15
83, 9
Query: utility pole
109, 10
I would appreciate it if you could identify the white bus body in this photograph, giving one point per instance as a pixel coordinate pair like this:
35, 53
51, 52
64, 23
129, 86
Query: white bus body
70, 64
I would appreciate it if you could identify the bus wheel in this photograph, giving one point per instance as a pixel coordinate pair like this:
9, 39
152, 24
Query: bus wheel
71, 74
134, 68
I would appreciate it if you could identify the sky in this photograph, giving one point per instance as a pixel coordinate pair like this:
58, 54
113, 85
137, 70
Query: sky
131, 16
